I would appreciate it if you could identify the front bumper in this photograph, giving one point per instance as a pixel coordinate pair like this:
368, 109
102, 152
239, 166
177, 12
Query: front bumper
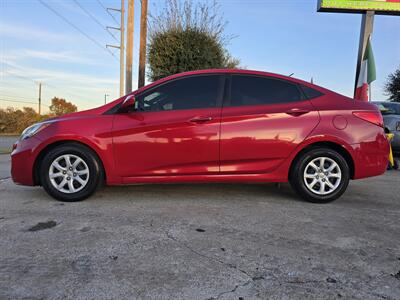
23, 160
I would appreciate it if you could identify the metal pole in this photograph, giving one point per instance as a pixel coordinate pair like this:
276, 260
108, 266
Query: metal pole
40, 98
370, 92
105, 98
121, 51
142, 49
129, 47
367, 27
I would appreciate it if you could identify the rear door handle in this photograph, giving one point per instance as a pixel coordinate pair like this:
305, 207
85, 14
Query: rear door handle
297, 112
200, 119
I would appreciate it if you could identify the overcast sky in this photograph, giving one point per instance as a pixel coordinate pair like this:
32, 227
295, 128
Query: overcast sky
282, 36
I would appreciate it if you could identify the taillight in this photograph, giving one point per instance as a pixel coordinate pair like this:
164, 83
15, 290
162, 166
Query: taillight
373, 117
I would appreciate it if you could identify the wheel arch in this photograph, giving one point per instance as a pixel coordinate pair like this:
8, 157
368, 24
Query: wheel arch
47, 148
326, 144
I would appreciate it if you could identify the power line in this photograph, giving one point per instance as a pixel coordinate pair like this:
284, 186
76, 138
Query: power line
25, 102
94, 19
21, 76
8, 96
49, 85
37, 82
110, 14
76, 28
65, 92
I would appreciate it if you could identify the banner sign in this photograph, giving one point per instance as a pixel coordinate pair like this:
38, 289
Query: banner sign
381, 7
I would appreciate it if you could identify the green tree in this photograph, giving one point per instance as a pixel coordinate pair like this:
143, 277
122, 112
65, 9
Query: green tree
187, 37
392, 86
15, 120
60, 107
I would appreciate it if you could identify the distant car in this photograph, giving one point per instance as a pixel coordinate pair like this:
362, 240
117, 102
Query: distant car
209, 126
391, 120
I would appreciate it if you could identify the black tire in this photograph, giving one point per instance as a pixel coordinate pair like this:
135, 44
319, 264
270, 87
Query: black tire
95, 174
297, 179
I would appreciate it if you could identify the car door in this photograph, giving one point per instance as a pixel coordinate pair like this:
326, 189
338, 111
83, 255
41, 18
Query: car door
263, 120
175, 129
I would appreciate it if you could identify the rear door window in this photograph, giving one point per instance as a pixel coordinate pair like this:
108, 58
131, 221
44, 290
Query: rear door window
257, 90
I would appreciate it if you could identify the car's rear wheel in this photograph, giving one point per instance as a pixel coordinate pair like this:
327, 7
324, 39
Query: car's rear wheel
71, 172
320, 175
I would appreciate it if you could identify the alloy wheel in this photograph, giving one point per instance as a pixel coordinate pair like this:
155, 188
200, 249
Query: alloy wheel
322, 175
69, 173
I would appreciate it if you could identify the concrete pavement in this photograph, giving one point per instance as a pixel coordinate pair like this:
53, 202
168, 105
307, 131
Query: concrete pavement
201, 242
5, 166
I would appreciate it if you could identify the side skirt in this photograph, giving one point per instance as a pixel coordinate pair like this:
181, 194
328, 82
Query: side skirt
244, 178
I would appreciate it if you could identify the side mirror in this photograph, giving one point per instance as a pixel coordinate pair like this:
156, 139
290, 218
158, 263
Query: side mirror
128, 104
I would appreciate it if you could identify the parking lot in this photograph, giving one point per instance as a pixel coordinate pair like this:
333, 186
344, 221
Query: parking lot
200, 242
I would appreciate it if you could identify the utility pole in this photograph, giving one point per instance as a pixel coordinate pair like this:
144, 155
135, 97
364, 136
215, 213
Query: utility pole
129, 47
105, 98
40, 98
143, 39
121, 46
121, 50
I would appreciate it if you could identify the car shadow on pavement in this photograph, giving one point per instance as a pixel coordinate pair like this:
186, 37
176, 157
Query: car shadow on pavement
202, 192
233, 192
358, 193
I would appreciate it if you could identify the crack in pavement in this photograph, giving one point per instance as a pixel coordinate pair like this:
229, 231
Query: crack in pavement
231, 266
252, 279
231, 291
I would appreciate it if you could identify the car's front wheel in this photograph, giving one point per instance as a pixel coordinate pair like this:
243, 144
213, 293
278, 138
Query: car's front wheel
320, 175
71, 172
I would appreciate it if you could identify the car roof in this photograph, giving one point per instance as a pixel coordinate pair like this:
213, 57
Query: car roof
230, 71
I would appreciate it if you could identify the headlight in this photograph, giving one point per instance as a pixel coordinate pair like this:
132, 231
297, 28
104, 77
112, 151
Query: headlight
33, 129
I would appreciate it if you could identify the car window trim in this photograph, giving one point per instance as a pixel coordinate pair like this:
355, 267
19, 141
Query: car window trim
227, 91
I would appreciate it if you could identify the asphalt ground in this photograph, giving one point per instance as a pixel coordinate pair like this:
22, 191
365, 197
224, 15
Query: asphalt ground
210, 241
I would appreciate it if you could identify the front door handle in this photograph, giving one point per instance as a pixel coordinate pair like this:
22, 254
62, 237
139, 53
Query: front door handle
297, 112
200, 119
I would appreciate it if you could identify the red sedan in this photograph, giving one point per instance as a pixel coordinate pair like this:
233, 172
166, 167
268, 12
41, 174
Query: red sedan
209, 126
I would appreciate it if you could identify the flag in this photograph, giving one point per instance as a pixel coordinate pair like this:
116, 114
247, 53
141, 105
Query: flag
367, 74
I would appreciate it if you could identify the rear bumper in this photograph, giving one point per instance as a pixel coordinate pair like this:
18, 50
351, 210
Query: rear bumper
371, 158
22, 161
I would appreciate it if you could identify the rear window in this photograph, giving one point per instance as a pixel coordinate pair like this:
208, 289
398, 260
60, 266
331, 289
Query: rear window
310, 93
